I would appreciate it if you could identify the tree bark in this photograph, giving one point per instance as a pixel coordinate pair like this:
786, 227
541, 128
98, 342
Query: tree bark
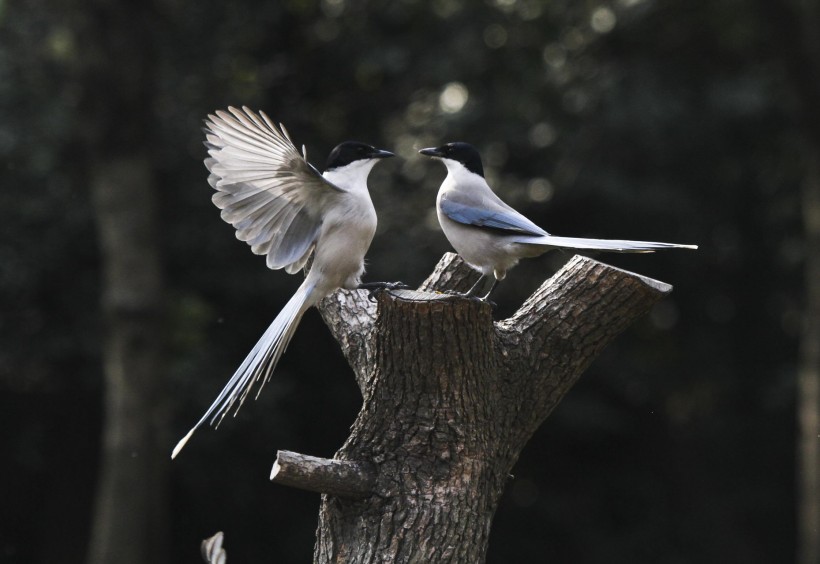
341, 478
450, 398
130, 515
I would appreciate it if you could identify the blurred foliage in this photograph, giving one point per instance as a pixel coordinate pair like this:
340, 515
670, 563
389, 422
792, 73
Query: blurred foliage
644, 119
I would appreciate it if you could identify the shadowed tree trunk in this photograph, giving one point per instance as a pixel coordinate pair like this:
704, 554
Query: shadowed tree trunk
793, 26
130, 514
808, 380
115, 68
450, 398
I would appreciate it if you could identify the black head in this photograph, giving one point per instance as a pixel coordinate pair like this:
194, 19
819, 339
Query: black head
351, 151
464, 153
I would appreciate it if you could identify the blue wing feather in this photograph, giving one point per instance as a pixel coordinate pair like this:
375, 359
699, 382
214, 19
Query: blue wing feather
511, 221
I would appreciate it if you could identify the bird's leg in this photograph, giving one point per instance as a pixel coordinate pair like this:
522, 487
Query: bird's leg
490, 291
469, 293
481, 283
375, 288
478, 283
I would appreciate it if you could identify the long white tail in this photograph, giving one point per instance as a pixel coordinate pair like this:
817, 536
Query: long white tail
260, 362
613, 245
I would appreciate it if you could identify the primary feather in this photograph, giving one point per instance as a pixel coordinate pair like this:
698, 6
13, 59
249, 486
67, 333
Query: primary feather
498, 216
265, 187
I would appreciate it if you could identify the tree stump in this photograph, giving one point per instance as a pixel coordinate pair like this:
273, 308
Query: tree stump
450, 398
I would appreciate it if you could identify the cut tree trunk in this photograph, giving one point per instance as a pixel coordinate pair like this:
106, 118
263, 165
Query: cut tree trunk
450, 398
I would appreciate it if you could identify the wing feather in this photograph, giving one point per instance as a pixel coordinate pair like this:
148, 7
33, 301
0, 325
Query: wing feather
493, 214
265, 188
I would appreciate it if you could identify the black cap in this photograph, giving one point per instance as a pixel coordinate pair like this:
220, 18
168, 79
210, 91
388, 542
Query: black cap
464, 153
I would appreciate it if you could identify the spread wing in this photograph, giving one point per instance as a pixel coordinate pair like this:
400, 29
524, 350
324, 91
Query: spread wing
265, 188
488, 212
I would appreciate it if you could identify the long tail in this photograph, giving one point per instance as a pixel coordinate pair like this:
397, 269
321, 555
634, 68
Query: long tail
613, 245
260, 362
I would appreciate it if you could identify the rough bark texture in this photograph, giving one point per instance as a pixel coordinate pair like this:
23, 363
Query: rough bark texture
450, 398
343, 478
129, 518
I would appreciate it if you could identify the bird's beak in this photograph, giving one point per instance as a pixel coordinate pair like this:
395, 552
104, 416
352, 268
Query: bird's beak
431, 152
381, 154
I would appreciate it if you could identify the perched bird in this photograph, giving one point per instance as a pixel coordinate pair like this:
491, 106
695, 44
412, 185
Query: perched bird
490, 235
285, 209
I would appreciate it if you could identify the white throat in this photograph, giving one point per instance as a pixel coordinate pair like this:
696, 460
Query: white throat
351, 176
459, 177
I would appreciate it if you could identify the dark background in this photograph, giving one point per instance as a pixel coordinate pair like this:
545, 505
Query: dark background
668, 120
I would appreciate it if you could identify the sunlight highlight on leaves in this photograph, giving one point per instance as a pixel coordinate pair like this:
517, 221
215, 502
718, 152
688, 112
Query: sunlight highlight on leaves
453, 97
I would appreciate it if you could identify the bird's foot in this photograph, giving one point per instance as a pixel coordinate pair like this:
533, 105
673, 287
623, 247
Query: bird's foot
468, 296
486, 300
457, 293
376, 288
